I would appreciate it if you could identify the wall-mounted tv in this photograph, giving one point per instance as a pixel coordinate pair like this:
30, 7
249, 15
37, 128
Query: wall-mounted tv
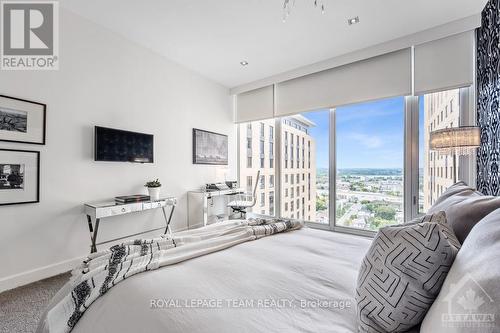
114, 145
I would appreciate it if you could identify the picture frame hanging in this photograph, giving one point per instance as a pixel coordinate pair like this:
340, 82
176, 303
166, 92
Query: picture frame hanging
22, 120
209, 148
19, 177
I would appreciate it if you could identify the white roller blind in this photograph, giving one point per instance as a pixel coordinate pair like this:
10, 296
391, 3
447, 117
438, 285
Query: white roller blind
256, 104
380, 77
444, 63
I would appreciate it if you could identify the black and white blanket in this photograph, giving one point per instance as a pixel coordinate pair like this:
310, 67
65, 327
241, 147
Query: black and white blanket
102, 270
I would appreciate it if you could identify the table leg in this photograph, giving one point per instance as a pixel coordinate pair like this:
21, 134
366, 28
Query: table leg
168, 220
205, 210
93, 247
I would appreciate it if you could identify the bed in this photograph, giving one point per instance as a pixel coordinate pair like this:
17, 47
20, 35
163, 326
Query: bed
299, 281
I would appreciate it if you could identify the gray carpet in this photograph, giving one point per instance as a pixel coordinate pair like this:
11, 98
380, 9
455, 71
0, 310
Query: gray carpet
20, 308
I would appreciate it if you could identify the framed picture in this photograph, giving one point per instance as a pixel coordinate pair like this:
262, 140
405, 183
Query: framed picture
19, 176
22, 121
209, 148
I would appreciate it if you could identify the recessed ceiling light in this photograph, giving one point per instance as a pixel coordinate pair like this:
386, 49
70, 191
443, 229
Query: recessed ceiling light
244, 63
353, 20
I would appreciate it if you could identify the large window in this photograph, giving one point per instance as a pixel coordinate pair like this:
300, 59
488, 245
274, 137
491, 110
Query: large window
305, 165
375, 173
436, 171
370, 153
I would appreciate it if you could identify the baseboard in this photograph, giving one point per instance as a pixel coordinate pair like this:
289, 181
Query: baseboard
21, 279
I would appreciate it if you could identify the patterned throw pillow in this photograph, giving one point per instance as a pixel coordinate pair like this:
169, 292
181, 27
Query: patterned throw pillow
402, 273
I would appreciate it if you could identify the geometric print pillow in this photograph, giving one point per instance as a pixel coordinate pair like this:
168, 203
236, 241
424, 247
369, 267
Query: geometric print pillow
402, 273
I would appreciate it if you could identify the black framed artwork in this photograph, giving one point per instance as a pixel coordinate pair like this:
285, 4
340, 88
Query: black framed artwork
19, 176
209, 148
22, 120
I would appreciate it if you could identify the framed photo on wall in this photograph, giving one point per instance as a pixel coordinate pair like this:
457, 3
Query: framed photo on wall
209, 148
22, 120
19, 176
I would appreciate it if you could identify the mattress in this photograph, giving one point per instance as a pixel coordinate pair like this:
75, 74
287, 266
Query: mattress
300, 281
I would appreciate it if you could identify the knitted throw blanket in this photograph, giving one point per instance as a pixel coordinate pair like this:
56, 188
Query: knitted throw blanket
102, 270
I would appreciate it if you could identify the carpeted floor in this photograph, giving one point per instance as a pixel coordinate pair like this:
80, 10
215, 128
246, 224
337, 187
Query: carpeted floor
20, 308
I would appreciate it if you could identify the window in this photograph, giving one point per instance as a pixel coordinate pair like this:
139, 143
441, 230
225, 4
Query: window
271, 203
249, 184
369, 160
271, 155
435, 169
369, 184
261, 153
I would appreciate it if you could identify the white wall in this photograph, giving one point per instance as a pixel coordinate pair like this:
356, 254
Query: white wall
104, 80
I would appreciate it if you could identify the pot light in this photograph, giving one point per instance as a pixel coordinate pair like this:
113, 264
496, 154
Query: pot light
353, 20
244, 63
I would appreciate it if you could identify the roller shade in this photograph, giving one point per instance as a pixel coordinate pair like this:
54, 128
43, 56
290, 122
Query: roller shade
256, 104
444, 63
380, 77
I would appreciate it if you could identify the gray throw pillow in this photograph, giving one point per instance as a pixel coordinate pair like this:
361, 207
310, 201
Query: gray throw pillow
464, 208
402, 273
469, 300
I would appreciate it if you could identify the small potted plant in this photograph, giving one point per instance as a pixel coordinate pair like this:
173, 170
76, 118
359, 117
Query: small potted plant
154, 189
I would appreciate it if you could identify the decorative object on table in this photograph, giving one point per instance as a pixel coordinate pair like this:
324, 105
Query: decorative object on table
209, 148
154, 189
132, 198
22, 120
232, 184
19, 176
455, 141
402, 273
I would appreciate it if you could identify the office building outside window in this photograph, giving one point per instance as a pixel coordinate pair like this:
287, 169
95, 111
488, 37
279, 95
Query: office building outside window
437, 111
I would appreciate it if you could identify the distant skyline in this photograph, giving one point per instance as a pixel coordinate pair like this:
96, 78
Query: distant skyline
369, 135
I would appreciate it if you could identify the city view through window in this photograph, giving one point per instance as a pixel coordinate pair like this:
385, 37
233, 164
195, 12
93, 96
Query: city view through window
369, 160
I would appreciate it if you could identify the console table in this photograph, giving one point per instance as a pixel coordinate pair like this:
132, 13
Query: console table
99, 210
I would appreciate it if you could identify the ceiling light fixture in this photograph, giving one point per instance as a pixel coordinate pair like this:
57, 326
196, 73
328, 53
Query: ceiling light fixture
288, 4
353, 20
244, 63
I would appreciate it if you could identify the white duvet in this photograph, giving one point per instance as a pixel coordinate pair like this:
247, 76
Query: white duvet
300, 281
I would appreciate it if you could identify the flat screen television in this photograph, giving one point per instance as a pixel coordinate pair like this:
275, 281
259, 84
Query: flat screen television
114, 145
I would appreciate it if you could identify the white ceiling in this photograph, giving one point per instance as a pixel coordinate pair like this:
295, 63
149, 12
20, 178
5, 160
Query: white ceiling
212, 37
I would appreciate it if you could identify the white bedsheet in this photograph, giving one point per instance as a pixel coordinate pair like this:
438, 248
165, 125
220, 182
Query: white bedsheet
281, 271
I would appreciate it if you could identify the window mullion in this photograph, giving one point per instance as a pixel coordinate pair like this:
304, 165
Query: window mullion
332, 172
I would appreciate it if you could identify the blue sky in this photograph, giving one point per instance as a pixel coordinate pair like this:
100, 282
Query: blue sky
369, 135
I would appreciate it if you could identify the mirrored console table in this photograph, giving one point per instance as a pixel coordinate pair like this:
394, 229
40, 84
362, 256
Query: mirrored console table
99, 210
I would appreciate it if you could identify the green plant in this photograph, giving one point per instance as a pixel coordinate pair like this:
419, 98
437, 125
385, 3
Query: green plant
154, 183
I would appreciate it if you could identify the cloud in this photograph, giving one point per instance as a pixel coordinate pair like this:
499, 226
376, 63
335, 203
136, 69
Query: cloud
369, 141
